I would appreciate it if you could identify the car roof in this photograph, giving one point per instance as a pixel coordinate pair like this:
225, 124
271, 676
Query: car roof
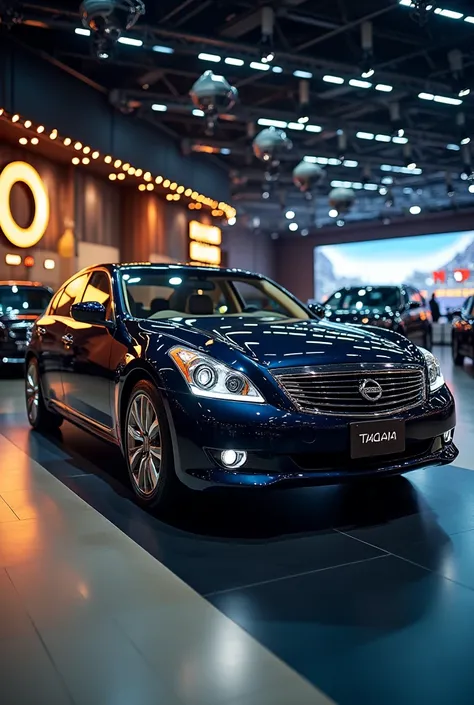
191, 268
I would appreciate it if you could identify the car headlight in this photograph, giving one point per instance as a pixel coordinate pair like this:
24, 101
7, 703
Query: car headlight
435, 375
208, 378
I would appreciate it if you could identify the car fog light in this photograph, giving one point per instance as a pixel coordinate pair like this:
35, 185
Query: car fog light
448, 436
233, 458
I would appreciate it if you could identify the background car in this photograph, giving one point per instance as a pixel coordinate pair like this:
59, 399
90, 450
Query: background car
20, 305
399, 308
462, 337
202, 388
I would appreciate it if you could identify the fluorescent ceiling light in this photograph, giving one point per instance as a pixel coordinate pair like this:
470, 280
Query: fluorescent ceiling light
267, 122
359, 84
333, 79
466, 140
400, 140
82, 31
295, 126
130, 41
383, 138
350, 163
161, 49
371, 187
204, 56
384, 87
453, 147
232, 61
258, 66
313, 128
426, 96
316, 160
334, 162
365, 135
198, 113
159, 108
356, 185
446, 100
464, 92
277, 69
407, 3
449, 13
225, 151
469, 18
302, 74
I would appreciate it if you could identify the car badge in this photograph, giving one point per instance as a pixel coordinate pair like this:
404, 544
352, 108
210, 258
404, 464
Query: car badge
370, 389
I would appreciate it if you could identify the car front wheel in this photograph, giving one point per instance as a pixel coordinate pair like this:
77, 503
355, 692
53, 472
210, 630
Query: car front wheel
148, 450
39, 417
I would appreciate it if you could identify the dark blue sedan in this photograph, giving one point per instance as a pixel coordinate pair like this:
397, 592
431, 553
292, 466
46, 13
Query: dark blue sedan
208, 377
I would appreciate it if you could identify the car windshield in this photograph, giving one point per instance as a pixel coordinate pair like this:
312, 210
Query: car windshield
372, 297
23, 299
159, 294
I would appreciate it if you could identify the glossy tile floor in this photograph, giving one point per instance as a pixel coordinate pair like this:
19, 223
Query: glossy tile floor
365, 594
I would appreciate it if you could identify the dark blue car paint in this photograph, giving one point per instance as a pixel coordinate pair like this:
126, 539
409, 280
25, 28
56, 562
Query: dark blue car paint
275, 433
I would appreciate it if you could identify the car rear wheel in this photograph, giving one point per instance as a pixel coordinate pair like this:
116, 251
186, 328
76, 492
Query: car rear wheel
39, 417
148, 449
458, 359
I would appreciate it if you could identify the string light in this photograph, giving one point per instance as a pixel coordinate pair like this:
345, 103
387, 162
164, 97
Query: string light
169, 196
223, 208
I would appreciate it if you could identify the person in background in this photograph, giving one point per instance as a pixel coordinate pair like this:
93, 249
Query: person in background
434, 306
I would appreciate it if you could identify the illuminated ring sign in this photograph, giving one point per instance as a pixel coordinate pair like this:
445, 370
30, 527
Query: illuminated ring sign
25, 173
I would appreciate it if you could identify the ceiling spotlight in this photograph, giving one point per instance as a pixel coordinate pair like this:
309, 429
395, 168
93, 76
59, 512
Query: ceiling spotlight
232, 221
293, 227
265, 194
368, 74
266, 42
333, 213
290, 215
108, 19
415, 210
471, 188
340, 223
304, 232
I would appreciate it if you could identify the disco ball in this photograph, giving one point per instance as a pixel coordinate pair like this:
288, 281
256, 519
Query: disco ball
269, 144
307, 175
213, 94
341, 199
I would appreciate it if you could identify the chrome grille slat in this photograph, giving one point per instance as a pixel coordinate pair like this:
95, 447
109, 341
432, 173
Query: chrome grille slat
337, 392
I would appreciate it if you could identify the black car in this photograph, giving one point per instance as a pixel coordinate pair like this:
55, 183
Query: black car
462, 336
399, 308
20, 305
215, 377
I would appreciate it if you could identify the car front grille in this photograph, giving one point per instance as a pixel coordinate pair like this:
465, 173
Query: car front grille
337, 391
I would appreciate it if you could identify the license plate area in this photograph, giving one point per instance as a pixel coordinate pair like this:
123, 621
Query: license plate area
374, 438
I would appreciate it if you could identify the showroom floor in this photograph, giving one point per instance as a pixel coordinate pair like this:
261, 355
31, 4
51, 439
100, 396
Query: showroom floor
363, 593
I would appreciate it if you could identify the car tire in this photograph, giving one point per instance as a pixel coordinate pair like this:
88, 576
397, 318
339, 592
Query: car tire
39, 416
458, 359
148, 449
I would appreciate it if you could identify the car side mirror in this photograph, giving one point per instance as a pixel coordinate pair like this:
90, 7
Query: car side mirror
318, 310
91, 312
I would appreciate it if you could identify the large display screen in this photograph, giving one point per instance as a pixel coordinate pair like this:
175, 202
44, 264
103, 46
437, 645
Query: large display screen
443, 264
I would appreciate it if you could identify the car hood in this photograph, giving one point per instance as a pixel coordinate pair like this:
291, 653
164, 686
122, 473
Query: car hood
289, 342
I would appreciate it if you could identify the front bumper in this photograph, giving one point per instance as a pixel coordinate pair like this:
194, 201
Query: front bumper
291, 448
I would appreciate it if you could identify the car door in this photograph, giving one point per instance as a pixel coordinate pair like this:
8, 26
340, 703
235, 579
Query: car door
416, 318
465, 328
87, 377
51, 329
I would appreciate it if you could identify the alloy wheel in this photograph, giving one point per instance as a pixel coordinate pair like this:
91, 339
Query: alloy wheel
144, 444
32, 392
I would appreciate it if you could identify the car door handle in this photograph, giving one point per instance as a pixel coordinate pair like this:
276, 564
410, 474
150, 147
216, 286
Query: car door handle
68, 339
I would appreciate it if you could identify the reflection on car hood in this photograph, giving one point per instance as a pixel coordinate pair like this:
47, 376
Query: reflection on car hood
356, 315
289, 342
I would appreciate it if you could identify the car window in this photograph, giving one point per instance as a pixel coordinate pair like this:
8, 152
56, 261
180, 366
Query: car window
98, 289
153, 293
416, 296
15, 298
69, 295
468, 306
358, 298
